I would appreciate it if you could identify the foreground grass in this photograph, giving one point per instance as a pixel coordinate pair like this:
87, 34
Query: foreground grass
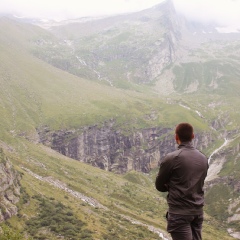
131, 196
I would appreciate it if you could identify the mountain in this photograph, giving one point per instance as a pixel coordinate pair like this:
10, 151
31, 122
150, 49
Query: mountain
131, 45
108, 92
146, 47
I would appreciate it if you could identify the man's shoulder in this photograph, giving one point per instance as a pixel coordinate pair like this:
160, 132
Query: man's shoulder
169, 158
201, 153
173, 154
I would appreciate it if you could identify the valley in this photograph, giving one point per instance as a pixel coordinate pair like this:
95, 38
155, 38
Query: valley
88, 110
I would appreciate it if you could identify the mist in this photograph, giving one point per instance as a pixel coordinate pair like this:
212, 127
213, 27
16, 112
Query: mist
224, 12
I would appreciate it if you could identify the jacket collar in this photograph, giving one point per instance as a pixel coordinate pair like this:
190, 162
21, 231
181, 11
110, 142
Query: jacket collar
186, 145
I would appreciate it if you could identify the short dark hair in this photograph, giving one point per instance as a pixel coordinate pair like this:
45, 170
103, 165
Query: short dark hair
184, 132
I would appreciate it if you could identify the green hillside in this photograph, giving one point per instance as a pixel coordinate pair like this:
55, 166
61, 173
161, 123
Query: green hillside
123, 51
33, 93
64, 197
212, 70
48, 177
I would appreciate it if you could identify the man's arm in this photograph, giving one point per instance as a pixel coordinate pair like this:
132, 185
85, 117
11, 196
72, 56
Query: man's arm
164, 174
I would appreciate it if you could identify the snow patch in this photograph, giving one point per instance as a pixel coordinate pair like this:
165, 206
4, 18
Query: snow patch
228, 29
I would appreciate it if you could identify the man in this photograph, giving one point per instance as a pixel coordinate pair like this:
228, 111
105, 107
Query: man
182, 174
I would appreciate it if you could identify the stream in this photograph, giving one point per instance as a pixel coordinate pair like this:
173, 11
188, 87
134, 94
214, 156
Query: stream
226, 141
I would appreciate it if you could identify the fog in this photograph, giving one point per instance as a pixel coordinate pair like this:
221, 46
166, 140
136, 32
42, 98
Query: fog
225, 12
64, 9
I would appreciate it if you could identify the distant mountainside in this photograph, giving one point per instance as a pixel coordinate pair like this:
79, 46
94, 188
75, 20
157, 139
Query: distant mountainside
154, 46
109, 92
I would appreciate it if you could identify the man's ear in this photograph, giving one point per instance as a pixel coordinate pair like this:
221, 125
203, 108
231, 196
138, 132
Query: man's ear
177, 138
193, 136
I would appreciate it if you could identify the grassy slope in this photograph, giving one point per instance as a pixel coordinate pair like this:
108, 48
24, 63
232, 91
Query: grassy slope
34, 93
132, 195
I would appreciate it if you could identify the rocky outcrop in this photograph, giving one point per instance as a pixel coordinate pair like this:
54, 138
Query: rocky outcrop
9, 188
112, 150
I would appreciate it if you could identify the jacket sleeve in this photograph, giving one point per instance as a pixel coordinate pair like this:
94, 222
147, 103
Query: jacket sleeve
164, 174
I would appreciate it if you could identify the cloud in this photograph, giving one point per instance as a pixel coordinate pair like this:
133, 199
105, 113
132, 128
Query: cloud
225, 12
73, 8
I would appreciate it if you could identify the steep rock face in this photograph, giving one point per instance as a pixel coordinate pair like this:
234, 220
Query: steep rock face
166, 45
9, 188
110, 149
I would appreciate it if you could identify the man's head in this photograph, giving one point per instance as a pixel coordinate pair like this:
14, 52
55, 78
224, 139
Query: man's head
184, 133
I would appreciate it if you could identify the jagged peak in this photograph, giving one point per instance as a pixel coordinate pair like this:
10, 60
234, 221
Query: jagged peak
168, 4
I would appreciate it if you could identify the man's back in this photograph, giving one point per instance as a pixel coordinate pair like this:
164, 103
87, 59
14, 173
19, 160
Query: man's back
182, 174
186, 170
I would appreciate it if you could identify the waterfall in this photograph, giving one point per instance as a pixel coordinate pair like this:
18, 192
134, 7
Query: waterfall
218, 149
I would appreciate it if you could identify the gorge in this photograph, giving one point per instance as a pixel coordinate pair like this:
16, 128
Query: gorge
112, 150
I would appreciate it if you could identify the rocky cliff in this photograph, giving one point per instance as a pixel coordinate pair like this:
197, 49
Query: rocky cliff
9, 188
112, 150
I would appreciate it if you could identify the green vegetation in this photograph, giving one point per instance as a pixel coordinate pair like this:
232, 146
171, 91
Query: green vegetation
35, 94
217, 201
55, 217
7, 233
131, 195
232, 166
212, 76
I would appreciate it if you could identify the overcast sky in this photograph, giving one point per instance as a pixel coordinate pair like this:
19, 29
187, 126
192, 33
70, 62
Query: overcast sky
224, 11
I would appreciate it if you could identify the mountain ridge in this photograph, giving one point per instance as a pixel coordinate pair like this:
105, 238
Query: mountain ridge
43, 98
